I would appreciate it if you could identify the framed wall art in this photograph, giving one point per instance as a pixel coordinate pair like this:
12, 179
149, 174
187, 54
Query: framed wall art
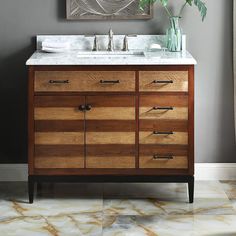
107, 10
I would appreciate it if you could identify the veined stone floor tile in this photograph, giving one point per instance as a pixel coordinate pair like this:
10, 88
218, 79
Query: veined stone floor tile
145, 207
170, 225
230, 188
61, 225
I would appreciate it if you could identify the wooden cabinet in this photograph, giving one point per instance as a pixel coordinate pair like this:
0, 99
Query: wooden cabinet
103, 123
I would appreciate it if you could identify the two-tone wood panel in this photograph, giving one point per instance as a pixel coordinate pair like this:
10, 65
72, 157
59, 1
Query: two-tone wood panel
59, 132
110, 131
163, 81
84, 81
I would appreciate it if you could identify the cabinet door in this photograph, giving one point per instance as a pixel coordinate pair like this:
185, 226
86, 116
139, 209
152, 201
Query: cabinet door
59, 132
110, 131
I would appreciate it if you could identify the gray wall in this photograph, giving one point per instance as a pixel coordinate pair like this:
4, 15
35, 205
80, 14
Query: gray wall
210, 42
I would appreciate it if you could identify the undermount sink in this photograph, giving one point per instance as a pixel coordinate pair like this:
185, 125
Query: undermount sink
108, 54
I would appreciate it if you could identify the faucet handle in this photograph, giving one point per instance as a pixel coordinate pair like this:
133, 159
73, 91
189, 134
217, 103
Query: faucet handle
126, 44
95, 44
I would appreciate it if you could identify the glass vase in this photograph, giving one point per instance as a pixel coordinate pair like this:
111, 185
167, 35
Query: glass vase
174, 35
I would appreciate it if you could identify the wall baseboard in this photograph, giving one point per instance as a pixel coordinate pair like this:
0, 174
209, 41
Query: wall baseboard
203, 171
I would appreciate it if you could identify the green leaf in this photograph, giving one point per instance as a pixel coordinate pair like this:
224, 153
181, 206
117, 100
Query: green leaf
201, 7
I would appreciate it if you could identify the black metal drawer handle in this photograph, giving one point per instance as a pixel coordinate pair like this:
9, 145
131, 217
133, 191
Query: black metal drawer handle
163, 81
162, 133
164, 108
159, 157
59, 81
109, 81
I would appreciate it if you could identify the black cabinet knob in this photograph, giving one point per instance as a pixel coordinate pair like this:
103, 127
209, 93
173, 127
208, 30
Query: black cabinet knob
82, 108
88, 107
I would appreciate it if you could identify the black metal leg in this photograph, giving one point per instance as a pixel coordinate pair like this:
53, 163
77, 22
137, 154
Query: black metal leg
191, 189
31, 189
39, 188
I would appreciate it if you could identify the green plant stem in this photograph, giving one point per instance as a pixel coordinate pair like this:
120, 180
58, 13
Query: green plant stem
168, 12
182, 8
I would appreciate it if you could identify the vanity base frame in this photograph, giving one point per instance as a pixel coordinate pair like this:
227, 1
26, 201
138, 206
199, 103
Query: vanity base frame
32, 179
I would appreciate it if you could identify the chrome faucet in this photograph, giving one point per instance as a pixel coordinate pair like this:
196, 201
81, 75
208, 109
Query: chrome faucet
110, 42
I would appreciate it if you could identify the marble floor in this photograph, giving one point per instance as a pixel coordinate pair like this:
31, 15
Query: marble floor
119, 210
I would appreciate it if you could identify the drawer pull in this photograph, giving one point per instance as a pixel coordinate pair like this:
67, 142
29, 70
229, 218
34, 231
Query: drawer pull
158, 157
164, 108
163, 81
162, 133
59, 81
109, 81
88, 107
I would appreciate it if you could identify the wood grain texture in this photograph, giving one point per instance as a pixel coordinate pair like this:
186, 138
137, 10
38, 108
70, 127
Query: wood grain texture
179, 79
151, 149
110, 125
111, 100
31, 120
109, 150
58, 113
59, 150
59, 126
59, 101
79, 81
111, 113
110, 138
115, 162
164, 125
175, 138
178, 113
163, 100
59, 162
178, 162
53, 138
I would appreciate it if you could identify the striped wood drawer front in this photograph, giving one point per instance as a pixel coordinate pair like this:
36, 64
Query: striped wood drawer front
82, 81
110, 132
163, 107
163, 81
163, 138
163, 156
163, 162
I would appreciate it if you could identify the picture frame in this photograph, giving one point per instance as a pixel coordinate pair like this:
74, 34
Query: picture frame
107, 10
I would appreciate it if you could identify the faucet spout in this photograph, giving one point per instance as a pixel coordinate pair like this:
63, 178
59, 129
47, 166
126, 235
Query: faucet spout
110, 42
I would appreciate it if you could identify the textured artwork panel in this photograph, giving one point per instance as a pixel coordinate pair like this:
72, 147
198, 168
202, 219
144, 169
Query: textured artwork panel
106, 9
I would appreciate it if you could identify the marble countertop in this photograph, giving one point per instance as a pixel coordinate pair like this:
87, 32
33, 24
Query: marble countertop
71, 58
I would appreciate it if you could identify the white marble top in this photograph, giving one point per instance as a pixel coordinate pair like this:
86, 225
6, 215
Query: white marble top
81, 44
72, 58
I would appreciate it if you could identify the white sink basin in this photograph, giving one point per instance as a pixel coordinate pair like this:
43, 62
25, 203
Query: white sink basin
107, 54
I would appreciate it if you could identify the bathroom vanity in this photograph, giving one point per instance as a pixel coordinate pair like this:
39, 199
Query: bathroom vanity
111, 119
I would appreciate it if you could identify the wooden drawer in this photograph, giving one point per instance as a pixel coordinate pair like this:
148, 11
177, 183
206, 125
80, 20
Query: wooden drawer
82, 81
163, 137
163, 81
163, 162
169, 107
